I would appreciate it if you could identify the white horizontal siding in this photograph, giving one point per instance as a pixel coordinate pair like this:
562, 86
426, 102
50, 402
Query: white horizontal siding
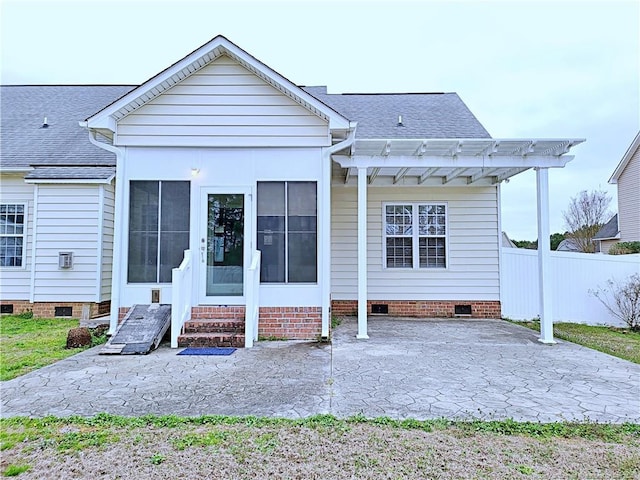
107, 242
67, 222
15, 282
222, 105
629, 200
472, 272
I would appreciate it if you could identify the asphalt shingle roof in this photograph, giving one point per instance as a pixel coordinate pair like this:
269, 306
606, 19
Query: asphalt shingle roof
23, 141
424, 115
71, 173
608, 230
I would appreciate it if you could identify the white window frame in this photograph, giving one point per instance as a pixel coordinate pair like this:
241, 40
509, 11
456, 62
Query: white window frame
415, 235
25, 223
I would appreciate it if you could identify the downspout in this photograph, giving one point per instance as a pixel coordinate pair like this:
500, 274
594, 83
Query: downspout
34, 246
326, 225
500, 264
117, 229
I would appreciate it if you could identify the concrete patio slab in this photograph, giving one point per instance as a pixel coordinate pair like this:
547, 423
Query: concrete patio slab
421, 369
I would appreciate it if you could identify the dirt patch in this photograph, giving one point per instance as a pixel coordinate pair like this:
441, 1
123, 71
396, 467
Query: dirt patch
298, 452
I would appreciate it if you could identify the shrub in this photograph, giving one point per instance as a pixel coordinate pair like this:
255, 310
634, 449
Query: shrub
625, 248
622, 299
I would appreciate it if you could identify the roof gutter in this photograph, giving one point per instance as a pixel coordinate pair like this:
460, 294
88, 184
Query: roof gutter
117, 227
325, 235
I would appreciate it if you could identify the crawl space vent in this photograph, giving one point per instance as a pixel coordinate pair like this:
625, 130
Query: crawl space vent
63, 311
462, 309
380, 308
6, 308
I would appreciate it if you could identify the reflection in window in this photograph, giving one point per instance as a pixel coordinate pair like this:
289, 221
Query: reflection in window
401, 236
287, 232
158, 229
12, 233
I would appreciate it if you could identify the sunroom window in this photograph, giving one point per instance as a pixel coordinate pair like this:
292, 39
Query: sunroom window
12, 233
287, 232
158, 229
415, 235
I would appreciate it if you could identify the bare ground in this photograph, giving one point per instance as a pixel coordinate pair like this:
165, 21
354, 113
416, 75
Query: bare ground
361, 451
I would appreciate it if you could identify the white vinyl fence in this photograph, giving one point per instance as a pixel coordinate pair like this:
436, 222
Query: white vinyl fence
572, 276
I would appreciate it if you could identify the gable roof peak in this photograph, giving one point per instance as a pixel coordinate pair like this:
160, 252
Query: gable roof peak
626, 158
198, 59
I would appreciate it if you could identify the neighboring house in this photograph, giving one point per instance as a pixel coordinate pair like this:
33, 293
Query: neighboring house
507, 242
608, 235
567, 245
627, 178
56, 202
356, 202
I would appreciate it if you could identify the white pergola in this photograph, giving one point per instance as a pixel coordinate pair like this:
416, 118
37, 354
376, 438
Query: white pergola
452, 162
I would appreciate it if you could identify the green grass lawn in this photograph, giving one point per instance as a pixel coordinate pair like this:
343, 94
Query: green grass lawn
321, 446
27, 344
619, 342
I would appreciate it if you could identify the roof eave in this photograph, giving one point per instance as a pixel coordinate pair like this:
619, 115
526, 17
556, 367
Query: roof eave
15, 169
91, 181
635, 144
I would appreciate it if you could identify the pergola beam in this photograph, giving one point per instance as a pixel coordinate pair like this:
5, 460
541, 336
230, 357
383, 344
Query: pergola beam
347, 175
481, 174
447, 161
455, 174
427, 173
508, 174
400, 175
374, 174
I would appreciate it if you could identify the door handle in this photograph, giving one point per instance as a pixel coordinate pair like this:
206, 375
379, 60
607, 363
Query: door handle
203, 247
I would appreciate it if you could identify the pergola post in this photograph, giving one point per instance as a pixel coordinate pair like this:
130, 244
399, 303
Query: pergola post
362, 253
544, 249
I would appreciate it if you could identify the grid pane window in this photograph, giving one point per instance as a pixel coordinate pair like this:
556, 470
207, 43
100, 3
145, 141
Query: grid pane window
432, 253
399, 231
12, 235
429, 236
399, 252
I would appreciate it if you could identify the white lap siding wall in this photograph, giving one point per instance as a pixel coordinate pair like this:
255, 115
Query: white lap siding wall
68, 218
629, 199
222, 105
71, 219
16, 281
107, 241
472, 273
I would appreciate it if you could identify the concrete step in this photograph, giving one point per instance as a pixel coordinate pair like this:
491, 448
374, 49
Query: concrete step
213, 326
211, 339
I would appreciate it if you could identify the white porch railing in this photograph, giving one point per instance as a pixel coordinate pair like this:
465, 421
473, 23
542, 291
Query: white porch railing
252, 307
181, 285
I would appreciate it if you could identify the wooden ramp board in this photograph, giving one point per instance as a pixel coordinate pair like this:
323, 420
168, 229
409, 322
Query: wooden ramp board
141, 330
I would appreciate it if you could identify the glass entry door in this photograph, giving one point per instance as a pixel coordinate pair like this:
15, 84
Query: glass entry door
224, 245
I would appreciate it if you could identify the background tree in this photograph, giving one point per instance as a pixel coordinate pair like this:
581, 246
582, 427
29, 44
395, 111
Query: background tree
555, 239
586, 214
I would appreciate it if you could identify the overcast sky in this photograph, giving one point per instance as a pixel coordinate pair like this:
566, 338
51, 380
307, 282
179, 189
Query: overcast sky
526, 69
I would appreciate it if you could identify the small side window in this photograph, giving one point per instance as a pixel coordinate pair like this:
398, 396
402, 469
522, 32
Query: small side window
12, 234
